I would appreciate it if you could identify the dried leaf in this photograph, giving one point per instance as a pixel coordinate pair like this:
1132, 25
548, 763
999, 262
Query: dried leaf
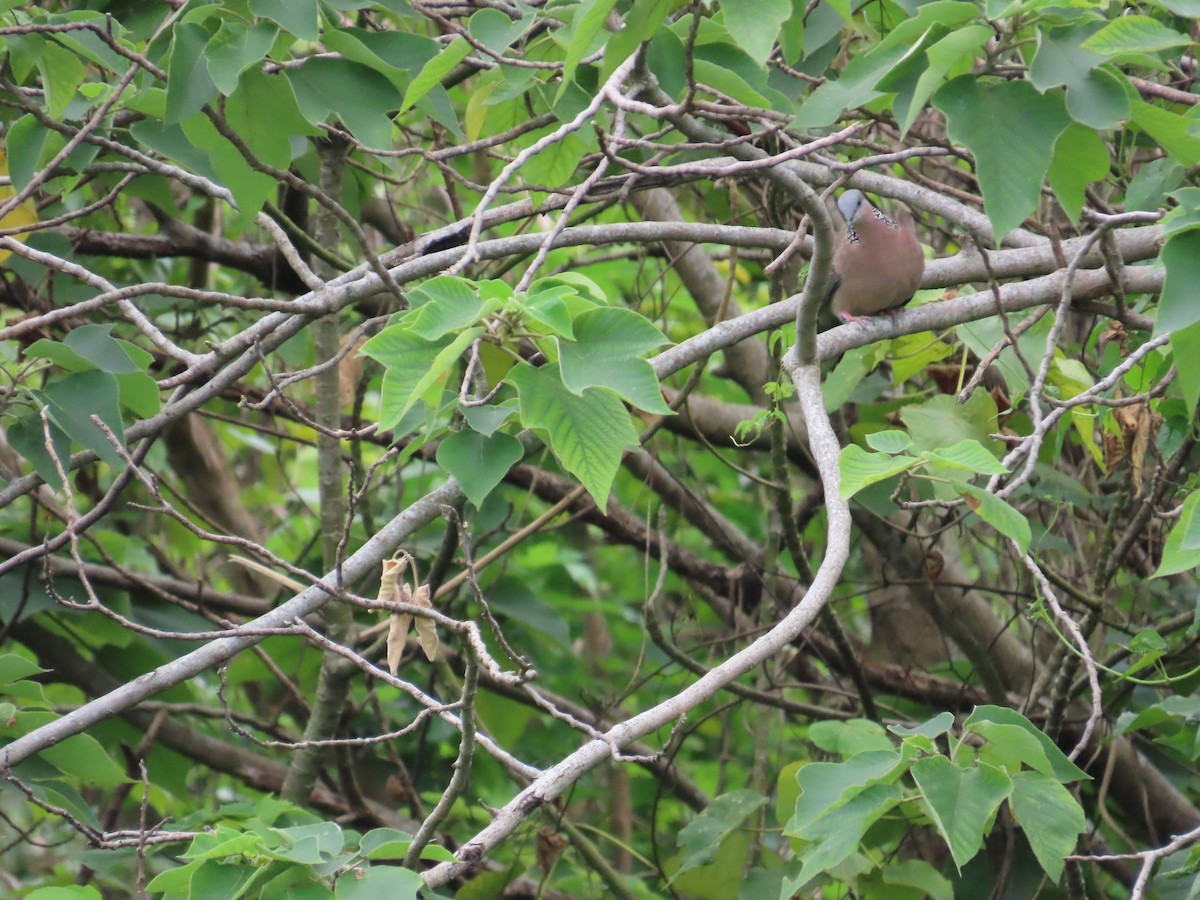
397, 633
934, 563
1114, 451
290, 583
392, 569
548, 847
350, 370
1137, 424
1114, 332
426, 630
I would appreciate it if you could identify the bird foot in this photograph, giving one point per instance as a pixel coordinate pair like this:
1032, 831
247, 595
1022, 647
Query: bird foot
850, 317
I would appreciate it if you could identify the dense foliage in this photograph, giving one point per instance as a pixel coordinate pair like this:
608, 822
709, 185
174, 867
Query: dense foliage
422, 474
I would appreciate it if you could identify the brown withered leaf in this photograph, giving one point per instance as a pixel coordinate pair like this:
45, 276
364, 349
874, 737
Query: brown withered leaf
1137, 424
397, 634
548, 847
1114, 332
1114, 450
398, 627
426, 630
392, 569
349, 370
934, 563
949, 378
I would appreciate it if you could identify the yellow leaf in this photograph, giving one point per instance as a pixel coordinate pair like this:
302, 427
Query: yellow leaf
25, 213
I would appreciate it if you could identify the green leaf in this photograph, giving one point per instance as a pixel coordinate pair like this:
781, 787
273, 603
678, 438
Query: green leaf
859, 469
361, 97
219, 878
911, 353
175, 881
405, 357
856, 86
72, 892
1177, 307
268, 137
298, 17
557, 164
385, 843
1151, 184
999, 514
948, 57
1011, 129
486, 419
1080, 159
825, 786
1147, 647
172, 143
836, 835
1186, 215
700, 838
961, 802
1010, 747
72, 401
606, 353
444, 305
250, 188
1100, 100
919, 876
398, 56
1134, 34
413, 366
1096, 97
309, 844
847, 738
588, 433
642, 22
967, 454
1172, 131
479, 462
1189, 528
225, 841
80, 756
378, 881
849, 372
1181, 551
24, 141
891, 441
27, 435
547, 310
435, 70
1189, 8
932, 728
62, 73
59, 354
139, 394
589, 19
1185, 353
14, 668
495, 30
754, 24
942, 421
234, 49
1063, 769
1050, 817
189, 86
95, 344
